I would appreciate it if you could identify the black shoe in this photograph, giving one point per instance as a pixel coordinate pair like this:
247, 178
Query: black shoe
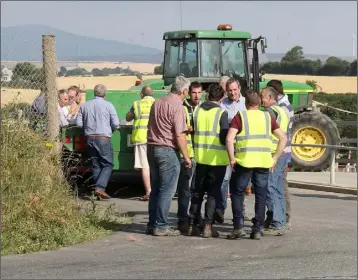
219, 216
149, 231
255, 235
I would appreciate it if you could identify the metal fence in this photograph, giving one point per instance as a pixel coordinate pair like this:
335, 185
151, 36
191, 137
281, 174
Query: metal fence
30, 83
333, 149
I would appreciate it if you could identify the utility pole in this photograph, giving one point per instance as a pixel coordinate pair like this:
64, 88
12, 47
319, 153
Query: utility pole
354, 40
181, 17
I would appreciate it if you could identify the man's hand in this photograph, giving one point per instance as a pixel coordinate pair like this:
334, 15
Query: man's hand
190, 129
274, 164
188, 163
233, 164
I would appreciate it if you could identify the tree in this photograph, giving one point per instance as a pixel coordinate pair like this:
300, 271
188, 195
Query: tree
158, 70
334, 66
63, 71
295, 54
24, 70
353, 68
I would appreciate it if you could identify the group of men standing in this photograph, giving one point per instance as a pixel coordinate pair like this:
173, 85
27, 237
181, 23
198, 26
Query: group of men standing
192, 147
216, 147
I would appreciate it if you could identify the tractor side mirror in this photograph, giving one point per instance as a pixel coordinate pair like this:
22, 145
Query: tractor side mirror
263, 42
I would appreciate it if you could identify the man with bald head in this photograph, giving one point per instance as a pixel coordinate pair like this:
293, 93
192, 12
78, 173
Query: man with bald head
139, 112
276, 206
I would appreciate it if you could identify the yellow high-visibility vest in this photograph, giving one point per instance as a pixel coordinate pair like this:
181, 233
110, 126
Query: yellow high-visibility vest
253, 143
140, 125
207, 146
189, 141
283, 121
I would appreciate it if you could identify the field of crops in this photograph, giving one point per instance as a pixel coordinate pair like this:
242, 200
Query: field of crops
327, 84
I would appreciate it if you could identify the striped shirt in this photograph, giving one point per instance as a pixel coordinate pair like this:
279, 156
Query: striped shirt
286, 105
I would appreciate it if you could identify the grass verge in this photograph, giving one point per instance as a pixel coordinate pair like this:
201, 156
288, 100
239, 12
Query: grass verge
38, 210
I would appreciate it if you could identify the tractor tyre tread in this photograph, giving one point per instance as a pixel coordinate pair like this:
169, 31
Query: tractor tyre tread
328, 127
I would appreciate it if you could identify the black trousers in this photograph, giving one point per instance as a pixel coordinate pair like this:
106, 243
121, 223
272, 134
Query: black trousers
207, 179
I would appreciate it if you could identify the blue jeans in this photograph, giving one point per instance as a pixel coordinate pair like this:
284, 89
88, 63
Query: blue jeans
276, 205
184, 188
224, 190
164, 173
101, 152
238, 183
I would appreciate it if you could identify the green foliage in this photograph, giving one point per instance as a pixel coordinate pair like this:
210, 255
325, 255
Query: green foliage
294, 63
346, 102
313, 84
38, 210
101, 72
158, 70
26, 75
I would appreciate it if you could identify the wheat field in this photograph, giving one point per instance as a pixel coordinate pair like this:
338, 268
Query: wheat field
327, 84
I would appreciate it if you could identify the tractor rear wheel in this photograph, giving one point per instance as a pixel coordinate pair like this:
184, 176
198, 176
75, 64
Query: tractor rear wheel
313, 128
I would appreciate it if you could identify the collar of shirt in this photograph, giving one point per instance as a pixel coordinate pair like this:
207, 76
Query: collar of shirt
99, 98
175, 96
283, 98
148, 97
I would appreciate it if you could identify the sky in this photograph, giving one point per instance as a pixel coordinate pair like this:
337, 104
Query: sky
320, 27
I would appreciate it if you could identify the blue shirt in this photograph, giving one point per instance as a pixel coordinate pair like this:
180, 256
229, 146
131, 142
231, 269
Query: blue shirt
98, 117
232, 107
286, 105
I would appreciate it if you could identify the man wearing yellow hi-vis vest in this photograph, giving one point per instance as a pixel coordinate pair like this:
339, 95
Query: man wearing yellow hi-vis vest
139, 112
187, 175
249, 145
276, 206
210, 128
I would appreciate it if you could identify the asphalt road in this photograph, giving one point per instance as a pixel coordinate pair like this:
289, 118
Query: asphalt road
321, 244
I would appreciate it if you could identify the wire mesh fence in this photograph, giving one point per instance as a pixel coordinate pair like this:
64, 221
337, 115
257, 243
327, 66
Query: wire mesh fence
32, 111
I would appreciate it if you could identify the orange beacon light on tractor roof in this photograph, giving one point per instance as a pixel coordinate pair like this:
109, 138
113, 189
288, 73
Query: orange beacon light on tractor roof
224, 27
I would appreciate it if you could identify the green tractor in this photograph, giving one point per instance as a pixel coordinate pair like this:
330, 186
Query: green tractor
205, 56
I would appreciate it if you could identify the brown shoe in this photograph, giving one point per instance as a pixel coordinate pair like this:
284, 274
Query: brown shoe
210, 232
102, 194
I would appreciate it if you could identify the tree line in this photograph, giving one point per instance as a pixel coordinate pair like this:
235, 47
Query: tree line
27, 75
96, 72
295, 63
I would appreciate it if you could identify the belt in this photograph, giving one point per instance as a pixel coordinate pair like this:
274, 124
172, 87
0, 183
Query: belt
98, 136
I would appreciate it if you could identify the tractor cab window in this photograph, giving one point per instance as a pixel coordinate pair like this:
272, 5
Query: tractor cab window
223, 57
180, 58
210, 58
233, 58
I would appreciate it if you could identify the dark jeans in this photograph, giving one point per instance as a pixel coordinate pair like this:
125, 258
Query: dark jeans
164, 173
213, 177
238, 183
184, 189
101, 152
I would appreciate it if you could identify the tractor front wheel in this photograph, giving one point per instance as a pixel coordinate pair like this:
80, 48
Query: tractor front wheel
313, 128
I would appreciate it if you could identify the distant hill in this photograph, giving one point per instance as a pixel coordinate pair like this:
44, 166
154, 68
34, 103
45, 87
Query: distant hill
23, 43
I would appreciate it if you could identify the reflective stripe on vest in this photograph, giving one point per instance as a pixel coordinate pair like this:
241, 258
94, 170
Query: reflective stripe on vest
207, 146
140, 125
283, 121
188, 136
253, 143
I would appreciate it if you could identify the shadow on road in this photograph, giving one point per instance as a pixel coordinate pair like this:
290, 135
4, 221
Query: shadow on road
327, 196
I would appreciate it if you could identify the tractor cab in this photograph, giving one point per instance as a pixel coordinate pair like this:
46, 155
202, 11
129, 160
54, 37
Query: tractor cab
207, 55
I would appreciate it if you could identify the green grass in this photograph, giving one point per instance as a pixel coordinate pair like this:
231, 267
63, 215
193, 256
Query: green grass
38, 210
